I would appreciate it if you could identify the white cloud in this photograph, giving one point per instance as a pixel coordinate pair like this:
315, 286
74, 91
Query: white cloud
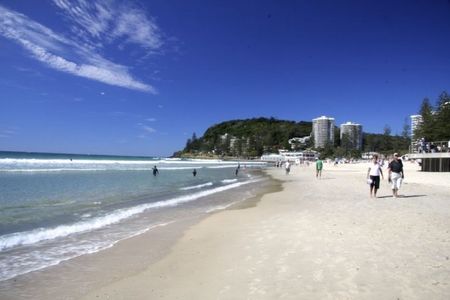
150, 119
68, 55
106, 21
148, 129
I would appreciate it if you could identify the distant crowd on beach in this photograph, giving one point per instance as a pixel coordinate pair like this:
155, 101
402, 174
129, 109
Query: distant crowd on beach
422, 146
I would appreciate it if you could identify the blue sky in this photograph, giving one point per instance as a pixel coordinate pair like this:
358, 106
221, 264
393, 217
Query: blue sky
139, 77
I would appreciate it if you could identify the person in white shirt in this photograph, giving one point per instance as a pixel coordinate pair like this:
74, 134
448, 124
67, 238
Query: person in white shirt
373, 176
287, 167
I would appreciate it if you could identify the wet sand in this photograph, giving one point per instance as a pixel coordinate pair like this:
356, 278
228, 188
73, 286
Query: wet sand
76, 277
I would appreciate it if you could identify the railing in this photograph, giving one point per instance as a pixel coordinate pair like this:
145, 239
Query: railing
429, 147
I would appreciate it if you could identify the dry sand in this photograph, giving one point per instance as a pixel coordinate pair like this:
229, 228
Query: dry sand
316, 239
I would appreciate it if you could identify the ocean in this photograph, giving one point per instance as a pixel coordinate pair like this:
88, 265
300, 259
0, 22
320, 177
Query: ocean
54, 207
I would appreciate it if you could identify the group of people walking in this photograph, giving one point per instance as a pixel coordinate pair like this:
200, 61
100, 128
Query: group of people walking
395, 176
374, 173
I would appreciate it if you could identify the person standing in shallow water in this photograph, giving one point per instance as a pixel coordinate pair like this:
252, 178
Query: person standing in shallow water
396, 174
194, 173
155, 171
373, 174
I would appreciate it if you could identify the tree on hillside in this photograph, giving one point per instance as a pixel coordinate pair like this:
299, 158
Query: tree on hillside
337, 136
386, 143
427, 128
346, 143
406, 129
442, 117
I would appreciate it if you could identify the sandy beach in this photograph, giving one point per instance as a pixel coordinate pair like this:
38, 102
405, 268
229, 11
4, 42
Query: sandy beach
314, 239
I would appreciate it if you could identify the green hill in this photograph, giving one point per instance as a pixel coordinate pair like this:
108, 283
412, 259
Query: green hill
247, 138
253, 137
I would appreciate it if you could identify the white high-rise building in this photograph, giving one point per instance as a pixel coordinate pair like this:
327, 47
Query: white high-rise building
416, 120
353, 133
323, 131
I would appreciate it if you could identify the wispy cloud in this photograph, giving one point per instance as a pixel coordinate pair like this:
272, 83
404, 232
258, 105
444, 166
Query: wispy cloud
95, 24
6, 133
123, 114
150, 119
102, 22
148, 129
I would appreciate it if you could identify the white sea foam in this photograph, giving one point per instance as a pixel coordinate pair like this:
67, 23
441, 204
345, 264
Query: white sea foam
220, 207
221, 167
42, 234
196, 186
117, 168
9, 269
75, 165
229, 180
178, 168
37, 161
34, 161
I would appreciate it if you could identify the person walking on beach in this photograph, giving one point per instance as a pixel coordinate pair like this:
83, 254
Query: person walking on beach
194, 173
155, 171
396, 174
373, 174
287, 167
319, 166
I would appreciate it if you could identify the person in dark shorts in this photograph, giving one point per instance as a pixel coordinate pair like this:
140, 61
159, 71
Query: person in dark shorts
373, 176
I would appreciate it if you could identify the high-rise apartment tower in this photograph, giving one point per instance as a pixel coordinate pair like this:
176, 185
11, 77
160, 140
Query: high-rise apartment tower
323, 131
352, 134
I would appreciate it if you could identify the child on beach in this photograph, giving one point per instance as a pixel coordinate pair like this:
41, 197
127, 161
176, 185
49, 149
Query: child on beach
373, 174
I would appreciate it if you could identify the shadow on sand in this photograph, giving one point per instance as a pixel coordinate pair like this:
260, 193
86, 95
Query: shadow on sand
403, 196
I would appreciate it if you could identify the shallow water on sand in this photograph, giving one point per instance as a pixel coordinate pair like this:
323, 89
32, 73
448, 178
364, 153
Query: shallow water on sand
53, 208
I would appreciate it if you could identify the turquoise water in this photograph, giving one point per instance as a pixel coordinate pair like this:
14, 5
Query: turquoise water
57, 206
